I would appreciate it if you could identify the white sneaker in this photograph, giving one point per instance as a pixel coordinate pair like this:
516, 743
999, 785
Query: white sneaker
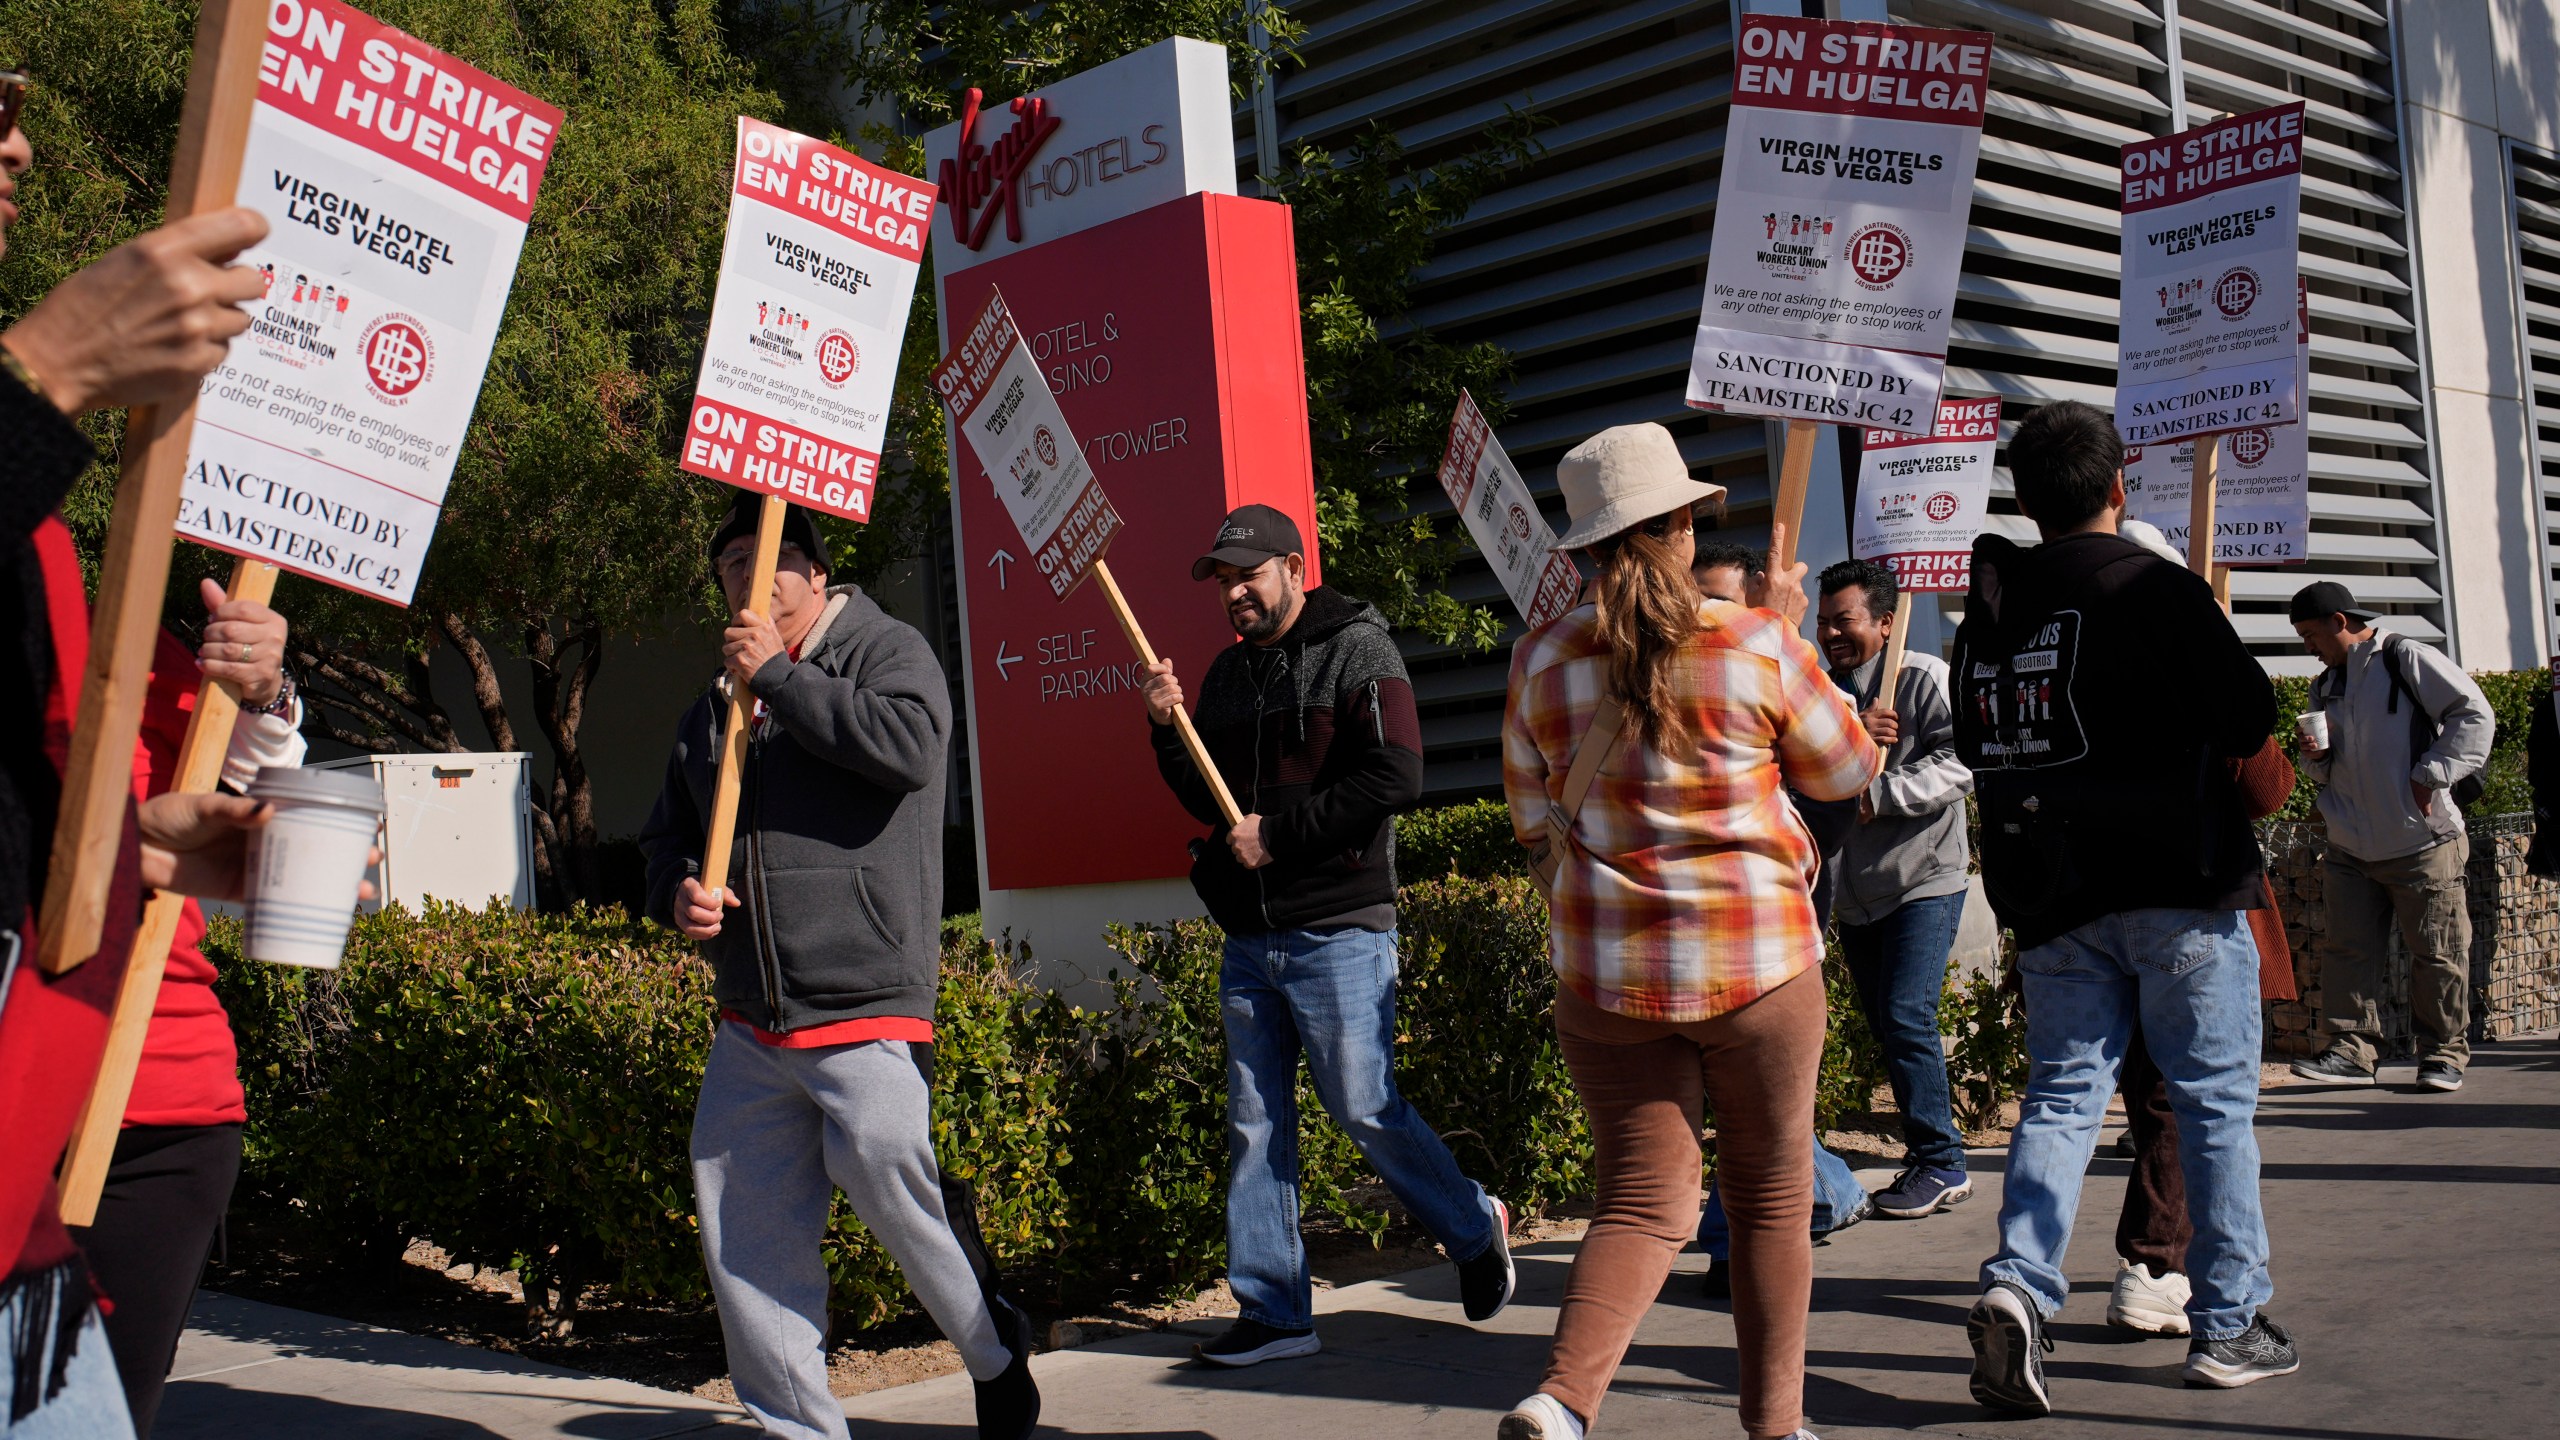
1540, 1417
2152, 1305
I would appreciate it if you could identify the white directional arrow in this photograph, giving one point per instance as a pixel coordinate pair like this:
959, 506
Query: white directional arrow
999, 560
1003, 660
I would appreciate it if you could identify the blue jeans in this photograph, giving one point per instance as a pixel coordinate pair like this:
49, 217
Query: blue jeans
90, 1404
1899, 965
2191, 978
1836, 1193
1334, 994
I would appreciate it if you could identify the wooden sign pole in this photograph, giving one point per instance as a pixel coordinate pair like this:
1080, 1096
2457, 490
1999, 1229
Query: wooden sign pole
93, 1142
742, 708
1181, 718
222, 89
1795, 477
1894, 645
2200, 487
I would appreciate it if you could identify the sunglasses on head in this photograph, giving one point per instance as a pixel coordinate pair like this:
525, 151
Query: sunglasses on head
14, 85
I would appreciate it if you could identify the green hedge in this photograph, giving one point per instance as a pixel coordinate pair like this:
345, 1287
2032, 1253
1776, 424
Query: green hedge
519, 1089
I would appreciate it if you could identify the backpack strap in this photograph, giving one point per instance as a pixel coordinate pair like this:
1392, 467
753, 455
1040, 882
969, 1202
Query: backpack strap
2391, 643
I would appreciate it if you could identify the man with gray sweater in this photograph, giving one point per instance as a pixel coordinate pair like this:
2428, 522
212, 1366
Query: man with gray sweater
824, 941
2406, 733
1901, 877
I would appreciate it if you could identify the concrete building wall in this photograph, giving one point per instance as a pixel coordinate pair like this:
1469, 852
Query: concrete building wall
2474, 74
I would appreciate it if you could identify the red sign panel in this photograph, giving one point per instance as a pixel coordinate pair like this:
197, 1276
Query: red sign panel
1181, 378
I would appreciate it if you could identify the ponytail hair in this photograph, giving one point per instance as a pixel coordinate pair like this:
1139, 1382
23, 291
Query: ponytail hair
1648, 609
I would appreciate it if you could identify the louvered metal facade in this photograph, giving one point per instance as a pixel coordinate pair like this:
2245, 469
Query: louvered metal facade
1587, 264
2534, 188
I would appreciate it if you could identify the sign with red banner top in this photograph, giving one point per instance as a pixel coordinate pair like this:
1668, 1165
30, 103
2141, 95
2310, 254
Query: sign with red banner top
2212, 231
1495, 504
1923, 499
816, 278
1848, 173
997, 398
396, 182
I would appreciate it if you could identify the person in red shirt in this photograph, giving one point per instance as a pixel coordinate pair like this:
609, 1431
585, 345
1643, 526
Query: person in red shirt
141, 325
178, 1154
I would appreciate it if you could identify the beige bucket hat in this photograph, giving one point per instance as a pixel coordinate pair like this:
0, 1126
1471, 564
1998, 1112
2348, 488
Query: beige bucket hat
1622, 477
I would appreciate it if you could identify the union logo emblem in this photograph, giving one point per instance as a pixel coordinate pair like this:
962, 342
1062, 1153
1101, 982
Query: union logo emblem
838, 357
397, 357
2236, 292
1941, 507
1878, 254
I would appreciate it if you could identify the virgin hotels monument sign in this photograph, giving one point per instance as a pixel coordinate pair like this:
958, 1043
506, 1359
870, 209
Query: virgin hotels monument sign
1162, 311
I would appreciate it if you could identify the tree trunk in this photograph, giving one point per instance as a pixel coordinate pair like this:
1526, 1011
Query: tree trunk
564, 668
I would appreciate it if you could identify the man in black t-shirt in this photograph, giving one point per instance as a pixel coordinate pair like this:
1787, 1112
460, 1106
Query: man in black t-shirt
2103, 696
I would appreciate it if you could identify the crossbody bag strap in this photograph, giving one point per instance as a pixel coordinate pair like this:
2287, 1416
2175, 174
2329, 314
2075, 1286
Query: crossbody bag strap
1596, 744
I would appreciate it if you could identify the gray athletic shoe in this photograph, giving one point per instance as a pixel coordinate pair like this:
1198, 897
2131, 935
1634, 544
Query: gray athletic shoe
2009, 1346
2439, 1075
2261, 1352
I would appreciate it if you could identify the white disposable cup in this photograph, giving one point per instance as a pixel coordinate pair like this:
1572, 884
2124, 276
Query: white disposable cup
2315, 728
306, 862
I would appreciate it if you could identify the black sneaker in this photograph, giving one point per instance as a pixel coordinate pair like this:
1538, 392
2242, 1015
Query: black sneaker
2258, 1353
2439, 1075
1485, 1283
2009, 1346
1717, 1282
2333, 1068
1250, 1342
1009, 1405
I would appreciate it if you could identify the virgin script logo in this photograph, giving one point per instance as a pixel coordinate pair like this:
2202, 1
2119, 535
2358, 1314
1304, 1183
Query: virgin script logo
979, 183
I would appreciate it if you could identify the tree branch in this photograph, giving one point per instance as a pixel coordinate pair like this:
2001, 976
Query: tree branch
485, 692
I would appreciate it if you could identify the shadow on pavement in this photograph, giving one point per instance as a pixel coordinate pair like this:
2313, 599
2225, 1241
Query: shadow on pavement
208, 1408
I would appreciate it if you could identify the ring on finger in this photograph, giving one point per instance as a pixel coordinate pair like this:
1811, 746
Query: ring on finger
248, 648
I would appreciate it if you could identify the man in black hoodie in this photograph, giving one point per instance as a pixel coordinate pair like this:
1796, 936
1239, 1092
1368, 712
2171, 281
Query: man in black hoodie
825, 950
1310, 719
2101, 698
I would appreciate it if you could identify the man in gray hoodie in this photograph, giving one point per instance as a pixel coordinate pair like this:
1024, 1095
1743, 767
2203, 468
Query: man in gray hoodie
2406, 730
825, 948
1902, 876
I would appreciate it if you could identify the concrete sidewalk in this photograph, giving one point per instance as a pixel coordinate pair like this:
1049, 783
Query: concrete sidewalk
2417, 1245
246, 1369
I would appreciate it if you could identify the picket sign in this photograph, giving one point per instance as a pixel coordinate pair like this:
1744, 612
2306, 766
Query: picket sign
200, 755
1831, 271
97, 780
992, 389
1498, 512
1922, 500
817, 272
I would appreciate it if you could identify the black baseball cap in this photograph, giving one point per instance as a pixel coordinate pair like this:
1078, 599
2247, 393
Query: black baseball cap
2319, 602
798, 527
1250, 535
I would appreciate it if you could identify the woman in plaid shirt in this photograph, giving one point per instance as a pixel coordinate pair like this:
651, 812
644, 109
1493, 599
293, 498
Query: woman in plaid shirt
1686, 949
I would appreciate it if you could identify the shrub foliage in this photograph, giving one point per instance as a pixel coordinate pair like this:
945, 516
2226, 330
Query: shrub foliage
519, 1088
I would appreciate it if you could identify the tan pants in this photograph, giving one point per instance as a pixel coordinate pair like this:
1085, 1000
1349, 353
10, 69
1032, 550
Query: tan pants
1644, 1083
2423, 894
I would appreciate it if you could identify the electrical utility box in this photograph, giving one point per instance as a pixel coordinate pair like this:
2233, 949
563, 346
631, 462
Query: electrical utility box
460, 829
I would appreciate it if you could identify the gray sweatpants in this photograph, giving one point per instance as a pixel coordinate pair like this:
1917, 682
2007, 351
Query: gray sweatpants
771, 1129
